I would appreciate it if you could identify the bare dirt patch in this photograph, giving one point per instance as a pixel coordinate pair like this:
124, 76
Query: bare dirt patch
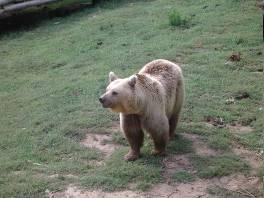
240, 129
173, 163
246, 186
190, 190
197, 188
233, 128
100, 142
75, 192
254, 159
199, 146
178, 162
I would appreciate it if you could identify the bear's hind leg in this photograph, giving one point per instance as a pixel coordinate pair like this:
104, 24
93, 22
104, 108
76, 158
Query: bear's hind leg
130, 124
174, 119
173, 124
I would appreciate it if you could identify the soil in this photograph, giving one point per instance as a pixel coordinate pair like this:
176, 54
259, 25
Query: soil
244, 186
98, 141
238, 128
188, 190
254, 159
199, 146
174, 163
75, 192
233, 128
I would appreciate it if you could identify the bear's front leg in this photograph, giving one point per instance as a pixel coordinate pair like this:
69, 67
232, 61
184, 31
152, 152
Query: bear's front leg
158, 128
130, 125
160, 142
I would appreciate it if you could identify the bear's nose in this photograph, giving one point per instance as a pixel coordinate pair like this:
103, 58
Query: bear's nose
101, 99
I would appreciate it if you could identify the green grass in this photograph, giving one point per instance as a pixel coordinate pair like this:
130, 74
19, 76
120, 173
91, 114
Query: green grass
52, 74
220, 140
216, 138
180, 145
183, 177
119, 138
218, 166
175, 19
117, 173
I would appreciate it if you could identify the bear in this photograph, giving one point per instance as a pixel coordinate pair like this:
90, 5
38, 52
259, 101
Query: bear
151, 101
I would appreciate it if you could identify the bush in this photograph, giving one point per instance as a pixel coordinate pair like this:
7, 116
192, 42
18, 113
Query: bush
175, 19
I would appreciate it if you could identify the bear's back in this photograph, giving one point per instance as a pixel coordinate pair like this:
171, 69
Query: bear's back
169, 75
160, 68
166, 72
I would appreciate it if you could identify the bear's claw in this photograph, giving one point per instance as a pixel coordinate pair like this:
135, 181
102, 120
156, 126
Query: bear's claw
158, 153
131, 156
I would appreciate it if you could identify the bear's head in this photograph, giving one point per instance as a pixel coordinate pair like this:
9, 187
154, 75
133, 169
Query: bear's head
120, 94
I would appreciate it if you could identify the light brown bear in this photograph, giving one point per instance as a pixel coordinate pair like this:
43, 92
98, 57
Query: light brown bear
150, 101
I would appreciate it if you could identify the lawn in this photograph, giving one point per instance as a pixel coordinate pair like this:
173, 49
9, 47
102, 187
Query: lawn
52, 73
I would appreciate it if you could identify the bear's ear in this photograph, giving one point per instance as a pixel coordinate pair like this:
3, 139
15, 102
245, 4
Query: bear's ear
132, 80
112, 77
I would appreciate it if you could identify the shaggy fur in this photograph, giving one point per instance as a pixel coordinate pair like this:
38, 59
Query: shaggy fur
150, 101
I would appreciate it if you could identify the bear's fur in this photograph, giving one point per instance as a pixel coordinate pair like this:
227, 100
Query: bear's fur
150, 101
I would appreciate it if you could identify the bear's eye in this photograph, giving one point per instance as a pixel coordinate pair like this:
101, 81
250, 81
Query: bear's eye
114, 93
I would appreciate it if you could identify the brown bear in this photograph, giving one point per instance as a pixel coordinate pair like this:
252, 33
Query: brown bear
150, 101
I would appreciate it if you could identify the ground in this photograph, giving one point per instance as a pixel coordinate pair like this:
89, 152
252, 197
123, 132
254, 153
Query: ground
57, 141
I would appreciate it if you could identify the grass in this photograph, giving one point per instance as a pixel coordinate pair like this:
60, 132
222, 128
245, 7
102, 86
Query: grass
183, 177
51, 75
175, 19
180, 145
220, 140
216, 138
209, 167
119, 138
117, 173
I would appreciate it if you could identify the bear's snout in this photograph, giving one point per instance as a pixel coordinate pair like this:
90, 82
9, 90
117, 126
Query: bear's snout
105, 103
101, 99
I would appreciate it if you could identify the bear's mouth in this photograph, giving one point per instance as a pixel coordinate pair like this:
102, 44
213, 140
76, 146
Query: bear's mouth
107, 105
